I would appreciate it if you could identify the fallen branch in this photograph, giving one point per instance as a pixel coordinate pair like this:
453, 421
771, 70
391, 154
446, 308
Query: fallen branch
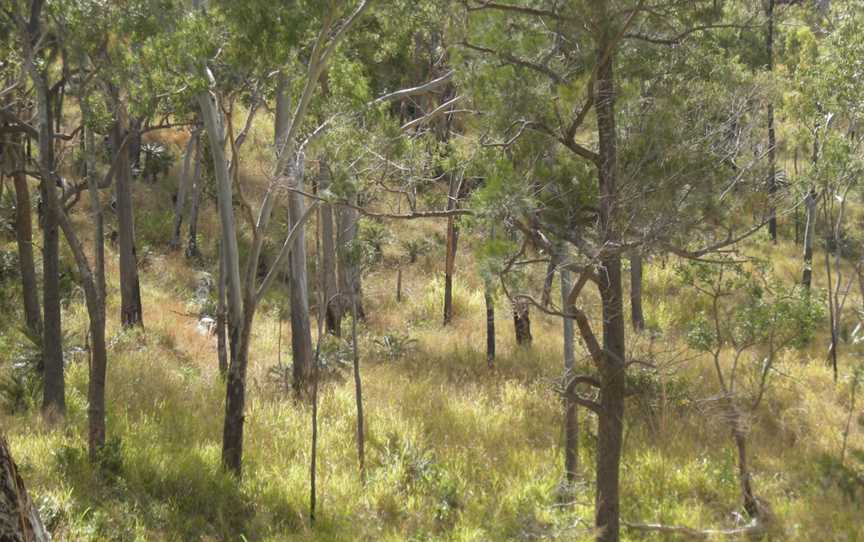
754, 527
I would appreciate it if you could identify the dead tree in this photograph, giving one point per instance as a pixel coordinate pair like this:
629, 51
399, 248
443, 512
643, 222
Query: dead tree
19, 517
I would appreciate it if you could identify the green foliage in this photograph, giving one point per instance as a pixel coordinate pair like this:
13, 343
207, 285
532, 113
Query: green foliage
748, 307
395, 346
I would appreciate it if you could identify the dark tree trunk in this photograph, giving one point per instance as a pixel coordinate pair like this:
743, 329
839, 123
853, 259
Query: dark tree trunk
95, 296
636, 316
610, 424
235, 399
221, 317
452, 240
809, 230
192, 244
24, 236
130, 289
522, 322
490, 324
54, 396
750, 503
399, 284
358, 394
19, 517
772, 140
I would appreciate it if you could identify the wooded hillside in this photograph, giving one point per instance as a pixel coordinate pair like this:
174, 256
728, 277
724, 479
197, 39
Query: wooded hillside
431, 270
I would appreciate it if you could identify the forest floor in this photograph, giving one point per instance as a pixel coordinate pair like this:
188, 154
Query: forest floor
454, 451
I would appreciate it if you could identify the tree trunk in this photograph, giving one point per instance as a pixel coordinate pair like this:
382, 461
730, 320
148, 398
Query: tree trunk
182, 188
348, 268
452, 240
328, 256
610, 424
240, 311
54, 392
134, 127
490, 324
221, 314
772, 140
130, 289
24, 235
358, 394
301, 331
809, 230
94, 289
522, 322
571, 419
19, 517
750, 504
192, 243
235, 399
298, 283
636, 316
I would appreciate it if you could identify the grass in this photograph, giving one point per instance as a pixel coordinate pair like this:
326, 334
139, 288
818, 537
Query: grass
454, 451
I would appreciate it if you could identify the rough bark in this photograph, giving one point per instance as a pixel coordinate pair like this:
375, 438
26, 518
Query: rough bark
571, 419
54, 391
490, 323
221, 317
750, 504
235, 398
636, 316
452, 240
522, 322
98, 351
94, 291
610, 418
358, 393
24, 235
130, 289
19, 517
328, 256
809, 230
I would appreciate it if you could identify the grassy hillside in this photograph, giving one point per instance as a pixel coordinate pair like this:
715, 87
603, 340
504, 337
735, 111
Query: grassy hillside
455, 451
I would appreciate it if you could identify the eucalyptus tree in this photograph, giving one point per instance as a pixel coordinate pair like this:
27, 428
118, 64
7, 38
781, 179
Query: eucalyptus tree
14, 146
570, 161
243, 295
750, 319
825, 79
39, 50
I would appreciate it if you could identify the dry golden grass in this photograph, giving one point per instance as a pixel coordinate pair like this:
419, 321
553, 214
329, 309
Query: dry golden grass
454, 452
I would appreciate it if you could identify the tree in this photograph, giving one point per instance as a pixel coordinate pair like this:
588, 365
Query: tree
19, 517
31, 34
751, 320
243, 297
568, 171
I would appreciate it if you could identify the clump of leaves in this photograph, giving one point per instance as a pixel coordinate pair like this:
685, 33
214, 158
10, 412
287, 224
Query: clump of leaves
157, 161
395, 346
20, 381
372, 237
415, 248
